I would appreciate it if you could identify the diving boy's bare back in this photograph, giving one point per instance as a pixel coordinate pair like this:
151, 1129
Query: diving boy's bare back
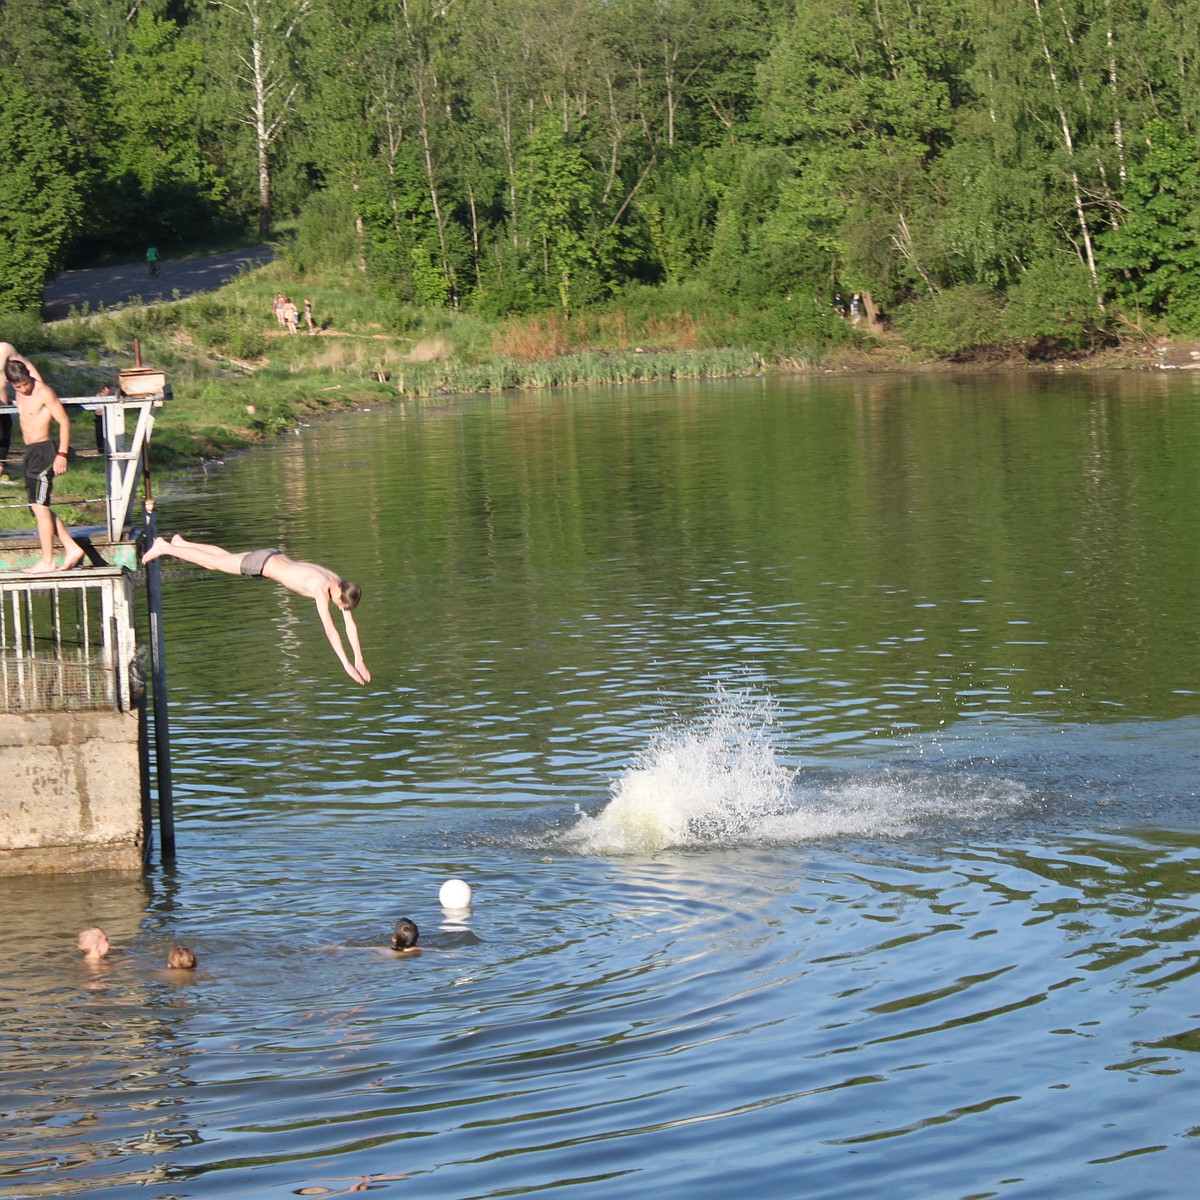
305, 578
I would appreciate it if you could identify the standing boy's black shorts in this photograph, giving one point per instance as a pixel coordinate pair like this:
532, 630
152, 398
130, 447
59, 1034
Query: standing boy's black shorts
39, 471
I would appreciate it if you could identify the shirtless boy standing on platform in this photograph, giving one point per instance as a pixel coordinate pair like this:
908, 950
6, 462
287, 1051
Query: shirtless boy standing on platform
308, 579
37, 406
9, 351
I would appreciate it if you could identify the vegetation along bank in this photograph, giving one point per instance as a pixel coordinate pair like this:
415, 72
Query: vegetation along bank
1021, 179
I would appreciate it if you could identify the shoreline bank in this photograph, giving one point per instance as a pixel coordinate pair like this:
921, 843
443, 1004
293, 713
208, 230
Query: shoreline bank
238, 382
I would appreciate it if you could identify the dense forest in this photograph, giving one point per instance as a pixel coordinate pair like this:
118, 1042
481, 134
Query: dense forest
988, 173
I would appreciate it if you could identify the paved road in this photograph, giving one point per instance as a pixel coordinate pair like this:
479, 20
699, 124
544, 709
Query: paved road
111, 286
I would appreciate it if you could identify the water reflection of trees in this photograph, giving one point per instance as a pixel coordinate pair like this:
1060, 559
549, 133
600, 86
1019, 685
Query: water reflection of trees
887, 553
1127, 903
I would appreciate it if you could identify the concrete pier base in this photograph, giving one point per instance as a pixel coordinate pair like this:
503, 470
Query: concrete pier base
70, 792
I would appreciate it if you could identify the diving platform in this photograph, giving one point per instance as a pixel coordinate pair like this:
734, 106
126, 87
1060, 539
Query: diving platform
82, 703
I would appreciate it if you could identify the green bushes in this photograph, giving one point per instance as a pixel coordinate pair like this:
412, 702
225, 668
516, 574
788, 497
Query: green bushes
1052, 309
225, 322
24, 329
792, 328
1153, 256
954, 323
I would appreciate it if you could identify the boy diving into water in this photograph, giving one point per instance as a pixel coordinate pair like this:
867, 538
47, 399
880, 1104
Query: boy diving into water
307, 579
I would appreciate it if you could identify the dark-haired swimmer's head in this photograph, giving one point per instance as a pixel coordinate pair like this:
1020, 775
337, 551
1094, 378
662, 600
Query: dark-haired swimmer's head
405, 935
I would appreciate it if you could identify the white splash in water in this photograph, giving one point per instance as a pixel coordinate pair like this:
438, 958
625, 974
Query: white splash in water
717, 781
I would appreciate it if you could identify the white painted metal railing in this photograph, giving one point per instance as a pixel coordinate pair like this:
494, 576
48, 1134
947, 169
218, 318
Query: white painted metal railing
67, 641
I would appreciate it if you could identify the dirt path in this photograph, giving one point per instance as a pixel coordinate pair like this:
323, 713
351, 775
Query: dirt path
110, 286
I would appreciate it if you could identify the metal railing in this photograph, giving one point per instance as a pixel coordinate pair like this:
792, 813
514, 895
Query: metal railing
67, 641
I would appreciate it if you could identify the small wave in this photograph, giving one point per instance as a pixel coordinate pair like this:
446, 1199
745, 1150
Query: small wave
717, 781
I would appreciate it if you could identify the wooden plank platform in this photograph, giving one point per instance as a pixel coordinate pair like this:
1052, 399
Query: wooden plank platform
19, 549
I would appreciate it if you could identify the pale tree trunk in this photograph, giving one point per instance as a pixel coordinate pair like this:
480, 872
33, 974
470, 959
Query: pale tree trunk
384, 93
1118, 130
503, 99
474, 234
422, 96
360, 236
669, 80
262, 129
672, 52
1069, 144
420, 24
902, 240
262, 31
617, 127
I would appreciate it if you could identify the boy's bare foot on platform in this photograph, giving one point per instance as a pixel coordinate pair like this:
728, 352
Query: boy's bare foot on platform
71, 561
40, 568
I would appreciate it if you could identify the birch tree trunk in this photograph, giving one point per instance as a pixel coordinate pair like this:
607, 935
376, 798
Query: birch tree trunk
260, 38
1069, 145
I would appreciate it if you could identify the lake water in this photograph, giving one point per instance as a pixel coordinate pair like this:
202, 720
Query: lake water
824, 756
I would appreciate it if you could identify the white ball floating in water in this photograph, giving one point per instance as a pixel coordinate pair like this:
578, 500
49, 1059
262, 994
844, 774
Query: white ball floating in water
455, 893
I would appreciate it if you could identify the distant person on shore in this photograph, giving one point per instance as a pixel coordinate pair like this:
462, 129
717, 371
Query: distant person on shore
38, 405
290, 315
181, 958
278, 310
9, 352
93, 942
308, 318
152, 261
307, 579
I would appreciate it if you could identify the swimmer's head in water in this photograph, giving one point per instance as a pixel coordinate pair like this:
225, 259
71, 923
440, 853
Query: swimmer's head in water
180, 958
405, 935
93, 941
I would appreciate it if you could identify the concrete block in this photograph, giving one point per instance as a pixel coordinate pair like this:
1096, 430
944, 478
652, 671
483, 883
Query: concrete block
70, 791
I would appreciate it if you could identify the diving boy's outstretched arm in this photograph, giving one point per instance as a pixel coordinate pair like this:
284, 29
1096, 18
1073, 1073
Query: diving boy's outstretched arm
356, 670
356, 648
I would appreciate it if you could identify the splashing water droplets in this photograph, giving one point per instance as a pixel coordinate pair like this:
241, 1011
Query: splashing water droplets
713, 780
716, 781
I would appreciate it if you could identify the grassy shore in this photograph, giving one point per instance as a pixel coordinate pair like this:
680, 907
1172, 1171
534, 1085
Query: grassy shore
238, 379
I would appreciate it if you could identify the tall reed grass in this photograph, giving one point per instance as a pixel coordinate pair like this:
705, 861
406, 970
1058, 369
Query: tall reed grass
568, 370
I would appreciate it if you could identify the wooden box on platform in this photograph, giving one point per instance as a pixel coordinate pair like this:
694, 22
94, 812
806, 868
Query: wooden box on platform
142, 381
